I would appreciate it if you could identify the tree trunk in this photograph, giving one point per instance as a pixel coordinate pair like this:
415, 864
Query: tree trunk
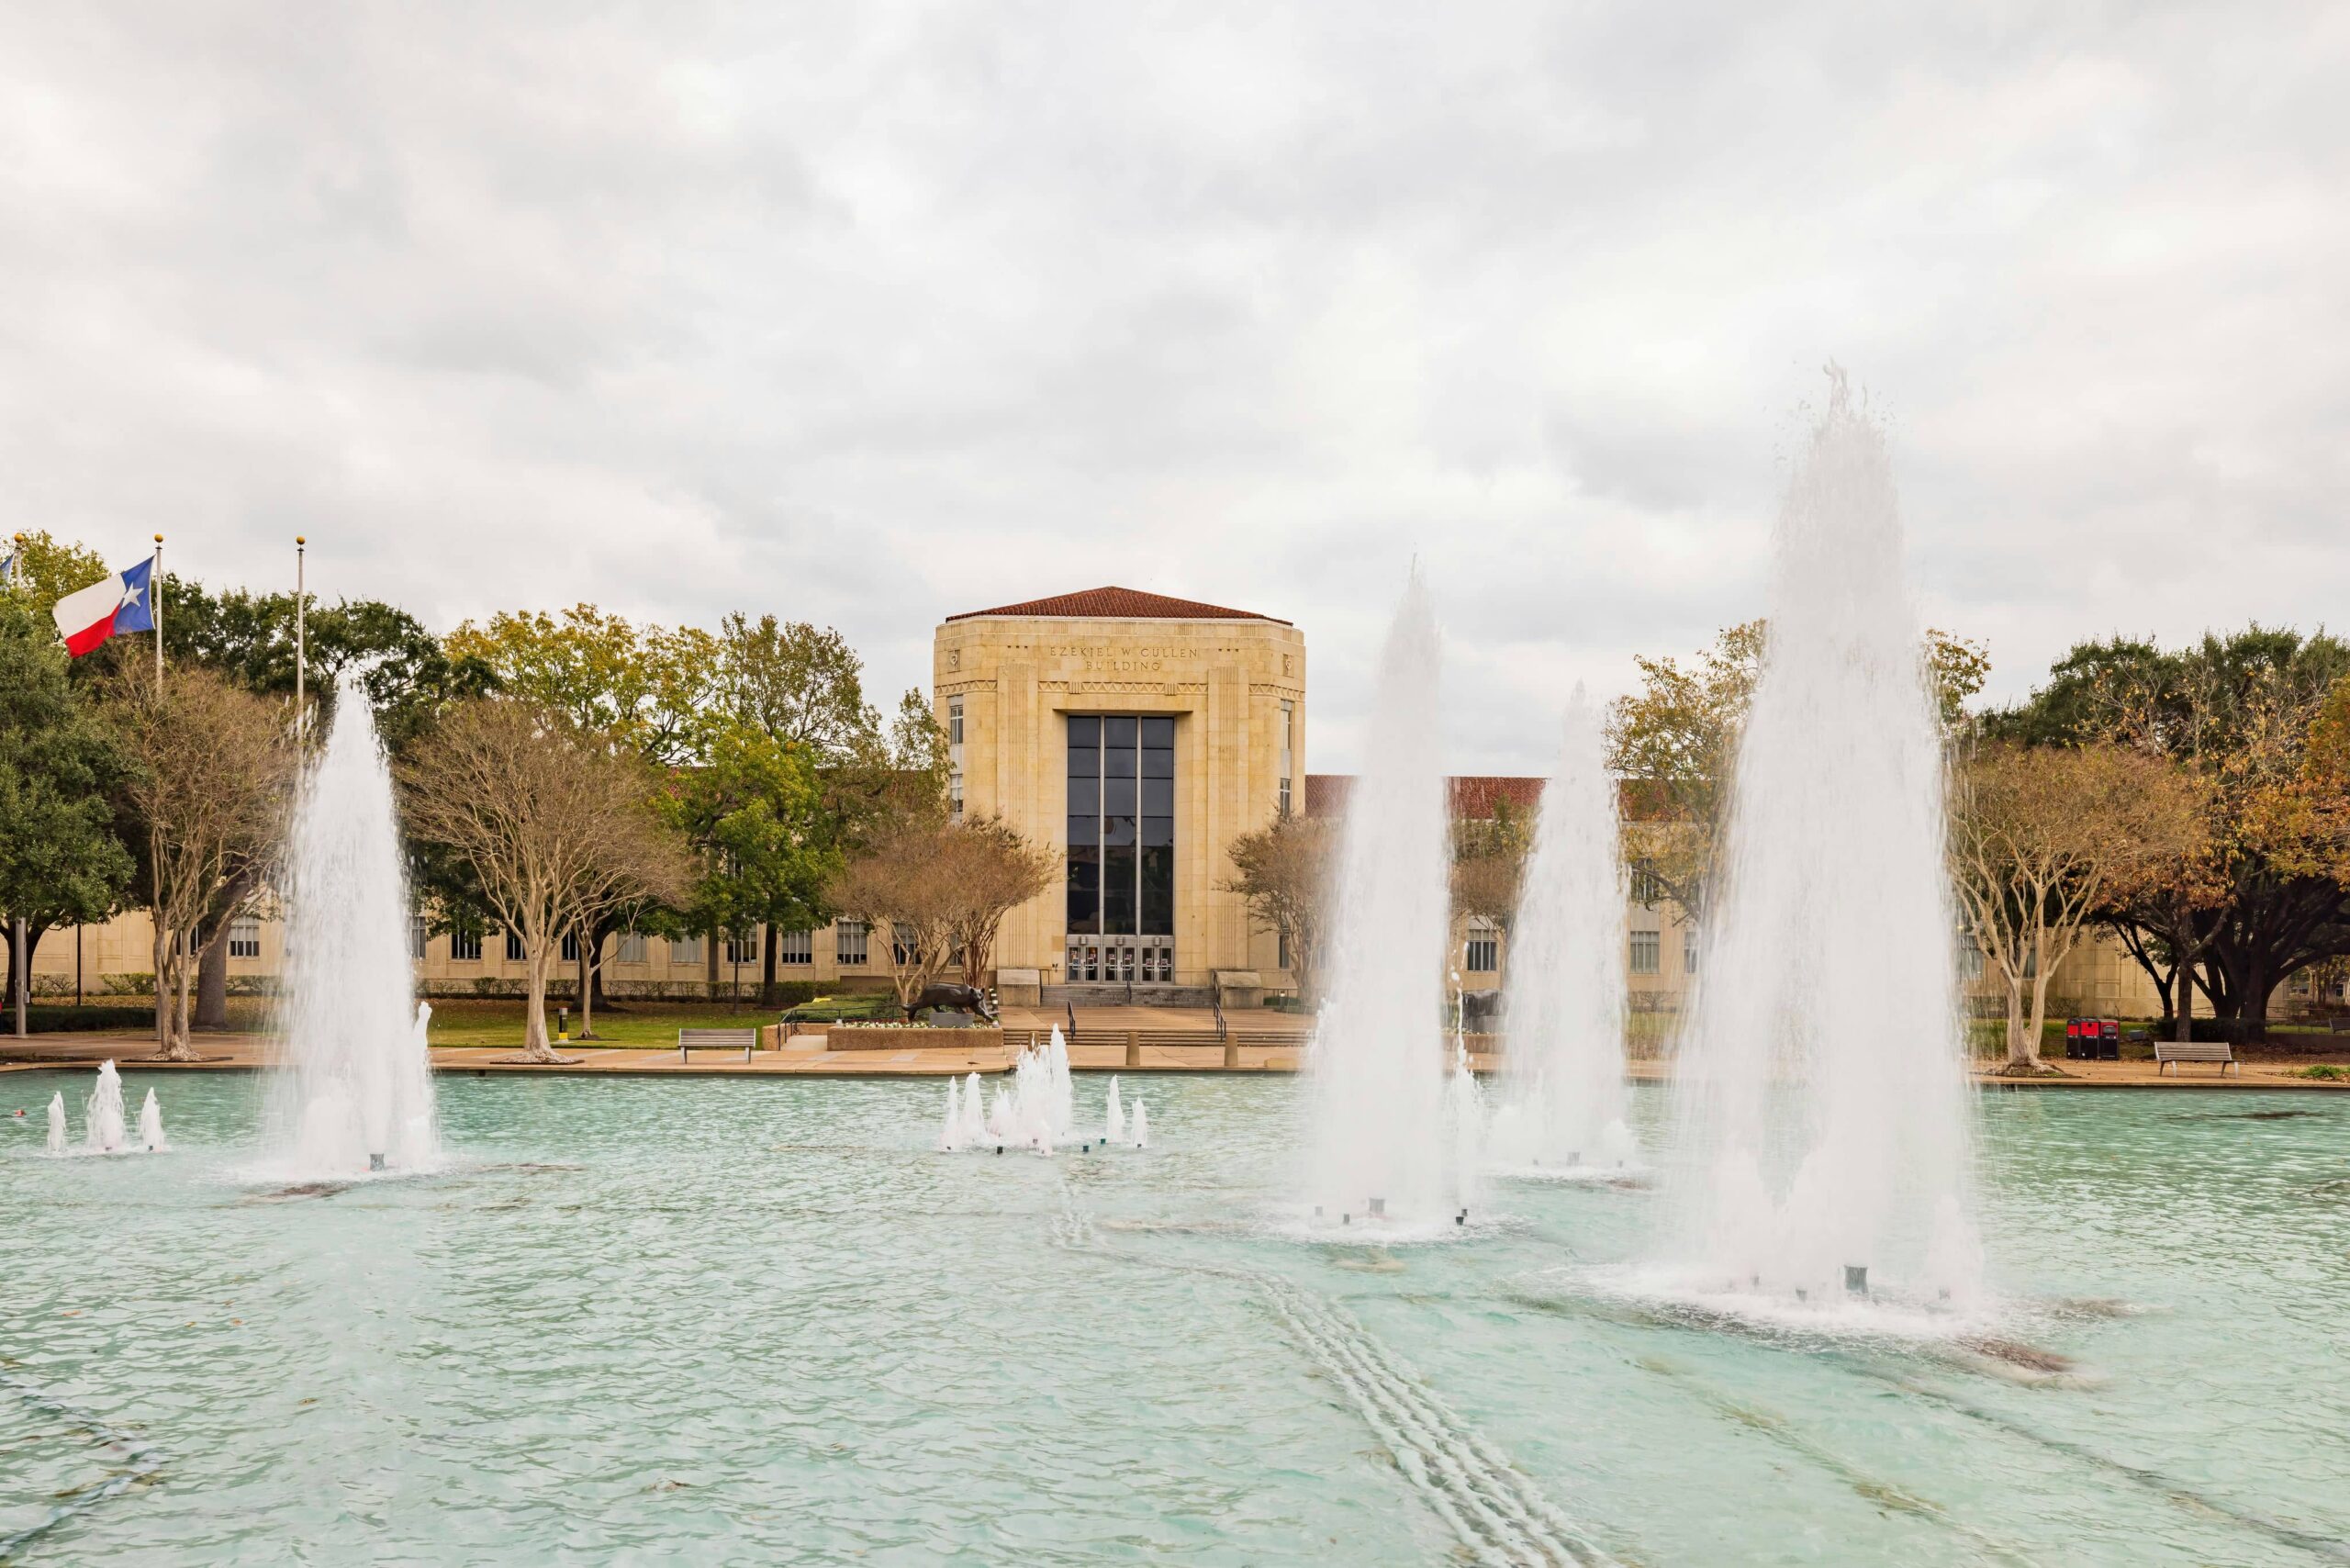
535, 1020
767, 994
590, 957
2022, 1050
20, 1002
212, 982
171, 1032
709, 948
2039, 1013
579, 988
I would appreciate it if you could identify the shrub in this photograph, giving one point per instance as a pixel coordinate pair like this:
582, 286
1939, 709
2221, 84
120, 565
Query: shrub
55, 1020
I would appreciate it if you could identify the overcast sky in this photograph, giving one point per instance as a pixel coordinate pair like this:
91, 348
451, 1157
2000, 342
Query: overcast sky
871, 313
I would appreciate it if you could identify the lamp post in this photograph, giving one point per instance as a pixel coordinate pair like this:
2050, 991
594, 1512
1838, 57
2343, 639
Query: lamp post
301, 713
155, 610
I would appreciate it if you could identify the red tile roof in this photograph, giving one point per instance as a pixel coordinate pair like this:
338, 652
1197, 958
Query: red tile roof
1122, 604
1469, 795
1476, 796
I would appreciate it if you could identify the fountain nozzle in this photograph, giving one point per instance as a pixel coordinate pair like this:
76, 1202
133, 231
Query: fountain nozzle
375, 1162
1856, 1279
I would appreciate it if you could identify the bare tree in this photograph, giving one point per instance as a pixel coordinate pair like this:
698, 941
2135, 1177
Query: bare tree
2041, 838
993, 871
213, 770
1284, 870
1488, 862
554, 825
902, 886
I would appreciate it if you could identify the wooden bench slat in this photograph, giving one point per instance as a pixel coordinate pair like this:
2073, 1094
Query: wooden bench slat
2218, 1052
689, 1040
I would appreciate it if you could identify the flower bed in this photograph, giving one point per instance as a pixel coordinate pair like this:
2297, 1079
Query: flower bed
912, 1037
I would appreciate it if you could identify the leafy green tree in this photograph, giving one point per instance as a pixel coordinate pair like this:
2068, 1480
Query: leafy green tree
802, 686
1675, 740
249, 638
753, 813
2245, 713
645, 687
49, 568
61, 860
797, 682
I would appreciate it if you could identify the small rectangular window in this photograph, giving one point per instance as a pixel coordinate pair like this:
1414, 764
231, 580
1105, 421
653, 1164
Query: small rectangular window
464, 946
514, 954
1289, 746
1689, 949
1483, 953
1647, 947
742, 948
954, 720
902, 943
685, 949
631, 947
571, 947
848, 941
244, 937
1646, 891
796, 948
419, 933
1970, 959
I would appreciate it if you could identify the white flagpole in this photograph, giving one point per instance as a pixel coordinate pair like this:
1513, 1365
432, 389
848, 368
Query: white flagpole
155, 610
301, 714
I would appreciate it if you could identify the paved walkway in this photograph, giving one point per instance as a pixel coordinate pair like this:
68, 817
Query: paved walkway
806, 1056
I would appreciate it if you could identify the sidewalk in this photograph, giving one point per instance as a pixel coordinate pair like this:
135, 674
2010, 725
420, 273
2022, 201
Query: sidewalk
1109, 1039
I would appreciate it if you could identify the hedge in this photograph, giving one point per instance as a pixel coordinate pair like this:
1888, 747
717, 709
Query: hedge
107, 1016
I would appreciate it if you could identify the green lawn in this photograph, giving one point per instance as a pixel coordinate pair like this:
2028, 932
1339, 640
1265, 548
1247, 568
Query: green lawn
634, 1026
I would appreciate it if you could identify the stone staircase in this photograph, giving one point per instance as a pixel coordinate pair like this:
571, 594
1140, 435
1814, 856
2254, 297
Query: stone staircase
1084, 996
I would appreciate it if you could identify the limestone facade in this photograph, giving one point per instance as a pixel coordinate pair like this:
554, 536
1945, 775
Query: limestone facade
1006, 681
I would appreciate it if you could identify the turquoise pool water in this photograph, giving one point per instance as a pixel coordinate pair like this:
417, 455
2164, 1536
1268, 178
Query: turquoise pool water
724, 1321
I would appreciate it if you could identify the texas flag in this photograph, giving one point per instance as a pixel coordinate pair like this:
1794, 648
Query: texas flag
113, 604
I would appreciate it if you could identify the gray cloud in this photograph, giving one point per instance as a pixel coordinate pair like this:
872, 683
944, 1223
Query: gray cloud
871, 314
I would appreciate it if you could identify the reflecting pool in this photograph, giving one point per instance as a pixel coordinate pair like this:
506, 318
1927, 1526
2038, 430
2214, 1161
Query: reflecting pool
744, 1320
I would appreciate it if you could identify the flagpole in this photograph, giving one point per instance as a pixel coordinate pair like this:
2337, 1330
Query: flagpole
301, 714
155, 610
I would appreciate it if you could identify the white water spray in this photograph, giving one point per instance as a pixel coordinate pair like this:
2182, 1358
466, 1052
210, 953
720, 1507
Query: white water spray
57, 1144
1564, 1101
1114, 1116
1038, 1111
102, 1125
1464, 1121
151, 1125
1376, 1070
950, 1131
353, 1087
1823, 1118
1139, 1128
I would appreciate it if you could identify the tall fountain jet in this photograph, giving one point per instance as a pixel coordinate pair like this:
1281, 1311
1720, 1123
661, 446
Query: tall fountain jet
1821, 1137
1563, 1099
1379, 1149
354, 1086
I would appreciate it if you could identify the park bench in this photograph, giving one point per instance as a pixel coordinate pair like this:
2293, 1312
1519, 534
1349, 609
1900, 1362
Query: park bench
2169, 1052
690, 1040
